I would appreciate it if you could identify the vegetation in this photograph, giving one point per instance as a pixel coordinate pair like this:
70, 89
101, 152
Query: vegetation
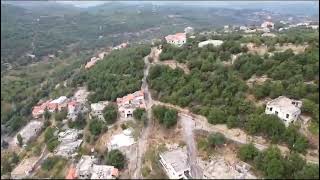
20, 140
49, 163
219, 92
273, 165
216, 139
79, 123
139, 113
8, 161
115, 158
59, 116
50, 139
167, 117
97, 127
110, 113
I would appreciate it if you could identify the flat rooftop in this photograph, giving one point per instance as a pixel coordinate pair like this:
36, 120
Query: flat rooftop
178, 159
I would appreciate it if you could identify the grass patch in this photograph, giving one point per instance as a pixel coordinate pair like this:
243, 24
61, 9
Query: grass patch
314, 128
152, 168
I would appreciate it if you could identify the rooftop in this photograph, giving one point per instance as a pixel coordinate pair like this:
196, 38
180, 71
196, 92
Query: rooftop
214, 42
59, 100
284, 104
30, 130
104, 172
178, 158
86, 163
176, 37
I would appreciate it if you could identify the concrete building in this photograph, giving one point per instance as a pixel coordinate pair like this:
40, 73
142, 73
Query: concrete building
69, 142
177, 39
267, 24
97, 109
189, 30
73, 110
286, 109
88, 169
219, 168
104, 172
128, 103
175, 163
84, 167
123, 139
29, 132
213, 42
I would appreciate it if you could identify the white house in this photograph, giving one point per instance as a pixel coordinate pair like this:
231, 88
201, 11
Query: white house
188, 30
213, 42
267, 24
84, 166
177, 39
97, 109
175, 163
286, 109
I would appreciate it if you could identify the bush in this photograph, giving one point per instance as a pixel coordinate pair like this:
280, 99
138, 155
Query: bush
248, 152
96, 127
110, 113
49, 163
216, 139
167, 117
115, 158
138, 113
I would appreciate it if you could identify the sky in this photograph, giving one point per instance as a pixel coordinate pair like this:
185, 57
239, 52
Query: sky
211, 3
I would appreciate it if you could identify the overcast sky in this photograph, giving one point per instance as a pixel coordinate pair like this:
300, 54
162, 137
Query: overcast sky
211, 3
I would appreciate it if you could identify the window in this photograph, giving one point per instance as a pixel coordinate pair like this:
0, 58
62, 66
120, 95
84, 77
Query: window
276, 112
271, 109
287, 116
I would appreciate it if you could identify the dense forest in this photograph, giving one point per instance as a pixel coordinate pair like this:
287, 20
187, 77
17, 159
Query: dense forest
219, 91
118, 74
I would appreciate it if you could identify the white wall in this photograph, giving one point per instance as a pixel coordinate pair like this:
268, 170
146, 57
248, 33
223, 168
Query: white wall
282, 114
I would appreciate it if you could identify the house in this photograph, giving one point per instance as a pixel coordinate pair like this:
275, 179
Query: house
60, 103
123, 139
29, 132
177, 39
267, 24
97, 109
84, 167
73, 110
104, 172
71, 173
122, 45
220, 168
88, 169
69, 142
286, 109
188, 30
38, 110
23, 169
268, 35
128, 103
175, 163
213, 42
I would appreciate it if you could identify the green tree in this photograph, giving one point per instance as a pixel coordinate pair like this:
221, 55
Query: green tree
310, 171
216, 139
49, 163
110, 113
46, 114
115, 158
138, 113
20, 140
248, 152
96, 127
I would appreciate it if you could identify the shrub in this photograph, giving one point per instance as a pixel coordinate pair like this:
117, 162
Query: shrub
115, 158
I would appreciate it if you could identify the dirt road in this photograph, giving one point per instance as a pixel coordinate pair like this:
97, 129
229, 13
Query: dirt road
236, 135
143, 141
188, 125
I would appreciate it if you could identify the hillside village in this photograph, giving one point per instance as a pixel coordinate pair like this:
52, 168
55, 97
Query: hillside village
149, 132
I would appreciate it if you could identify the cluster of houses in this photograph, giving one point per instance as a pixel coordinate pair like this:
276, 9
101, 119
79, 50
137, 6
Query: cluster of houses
130, 102
73, 105
97, 110
88, 168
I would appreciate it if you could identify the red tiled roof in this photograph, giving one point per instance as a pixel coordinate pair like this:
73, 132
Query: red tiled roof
176, 37
71, 173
